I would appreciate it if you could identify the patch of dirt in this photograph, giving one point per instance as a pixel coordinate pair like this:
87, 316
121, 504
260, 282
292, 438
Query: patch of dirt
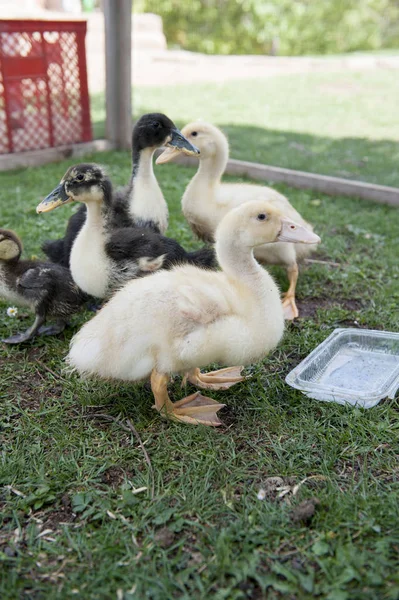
352, 471
114, 476
228, 416
351, 304
29, 393
309, 306
30, 386
35, 354
31, 389
386, 476
63, 514
251, 589
164, 537
304, 512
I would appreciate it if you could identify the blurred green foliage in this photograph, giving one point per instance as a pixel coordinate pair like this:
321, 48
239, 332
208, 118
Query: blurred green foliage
287, 27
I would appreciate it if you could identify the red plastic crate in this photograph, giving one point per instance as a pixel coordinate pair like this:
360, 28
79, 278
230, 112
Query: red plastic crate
44, 98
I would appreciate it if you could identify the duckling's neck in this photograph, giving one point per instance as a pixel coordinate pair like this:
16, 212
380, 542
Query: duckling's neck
198, 202
95, 215
213, 167
88, 261
147, 205
239, 264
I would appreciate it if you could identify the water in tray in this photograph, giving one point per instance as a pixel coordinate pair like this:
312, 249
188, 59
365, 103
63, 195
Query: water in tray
352, 368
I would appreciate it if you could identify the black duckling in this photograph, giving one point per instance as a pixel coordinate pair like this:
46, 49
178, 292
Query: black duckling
46, 288
101, 259
141, 203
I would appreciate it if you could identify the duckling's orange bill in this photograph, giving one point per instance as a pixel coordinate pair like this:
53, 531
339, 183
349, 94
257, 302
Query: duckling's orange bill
167, 155
292, 232
56, 198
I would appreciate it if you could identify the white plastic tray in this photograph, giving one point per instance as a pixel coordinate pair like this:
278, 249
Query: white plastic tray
355, 366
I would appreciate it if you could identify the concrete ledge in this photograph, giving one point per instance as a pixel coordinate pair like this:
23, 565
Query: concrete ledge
35, 158
333, 186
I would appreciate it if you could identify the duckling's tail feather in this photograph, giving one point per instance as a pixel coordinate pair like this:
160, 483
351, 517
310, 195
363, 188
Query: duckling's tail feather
204, 257
54, 249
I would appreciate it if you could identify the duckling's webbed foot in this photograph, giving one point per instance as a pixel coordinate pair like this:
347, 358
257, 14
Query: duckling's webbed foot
195, 409
94, 306
222, 379
29, 334
19, 338
290, 308
54, 329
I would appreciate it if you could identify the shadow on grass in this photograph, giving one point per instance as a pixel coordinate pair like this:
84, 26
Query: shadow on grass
352, 158
349, 157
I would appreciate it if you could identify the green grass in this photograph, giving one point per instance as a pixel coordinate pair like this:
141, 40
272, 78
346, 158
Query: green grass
335, 123
204, 534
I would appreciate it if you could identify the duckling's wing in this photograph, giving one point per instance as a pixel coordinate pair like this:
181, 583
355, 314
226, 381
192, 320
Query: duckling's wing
51, 281
120, 216
133, 243
36, 277
202, 305
55, 249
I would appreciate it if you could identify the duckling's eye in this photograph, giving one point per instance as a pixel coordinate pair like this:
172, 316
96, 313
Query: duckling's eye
157, 125
194, 133
261, 217
80, 177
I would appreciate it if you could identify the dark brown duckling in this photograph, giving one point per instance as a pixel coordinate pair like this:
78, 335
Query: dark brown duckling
46, 288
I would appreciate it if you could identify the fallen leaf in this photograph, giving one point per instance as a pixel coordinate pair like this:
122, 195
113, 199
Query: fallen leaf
44, 532
139, 490
14, 491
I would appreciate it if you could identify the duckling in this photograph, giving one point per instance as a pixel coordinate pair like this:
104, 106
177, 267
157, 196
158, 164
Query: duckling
180, 320
206, 200
45, 288
141, 203
144, 205
102, 260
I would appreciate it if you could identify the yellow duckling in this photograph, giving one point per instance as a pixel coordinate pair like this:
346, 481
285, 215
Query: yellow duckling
206, 200
180, 320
